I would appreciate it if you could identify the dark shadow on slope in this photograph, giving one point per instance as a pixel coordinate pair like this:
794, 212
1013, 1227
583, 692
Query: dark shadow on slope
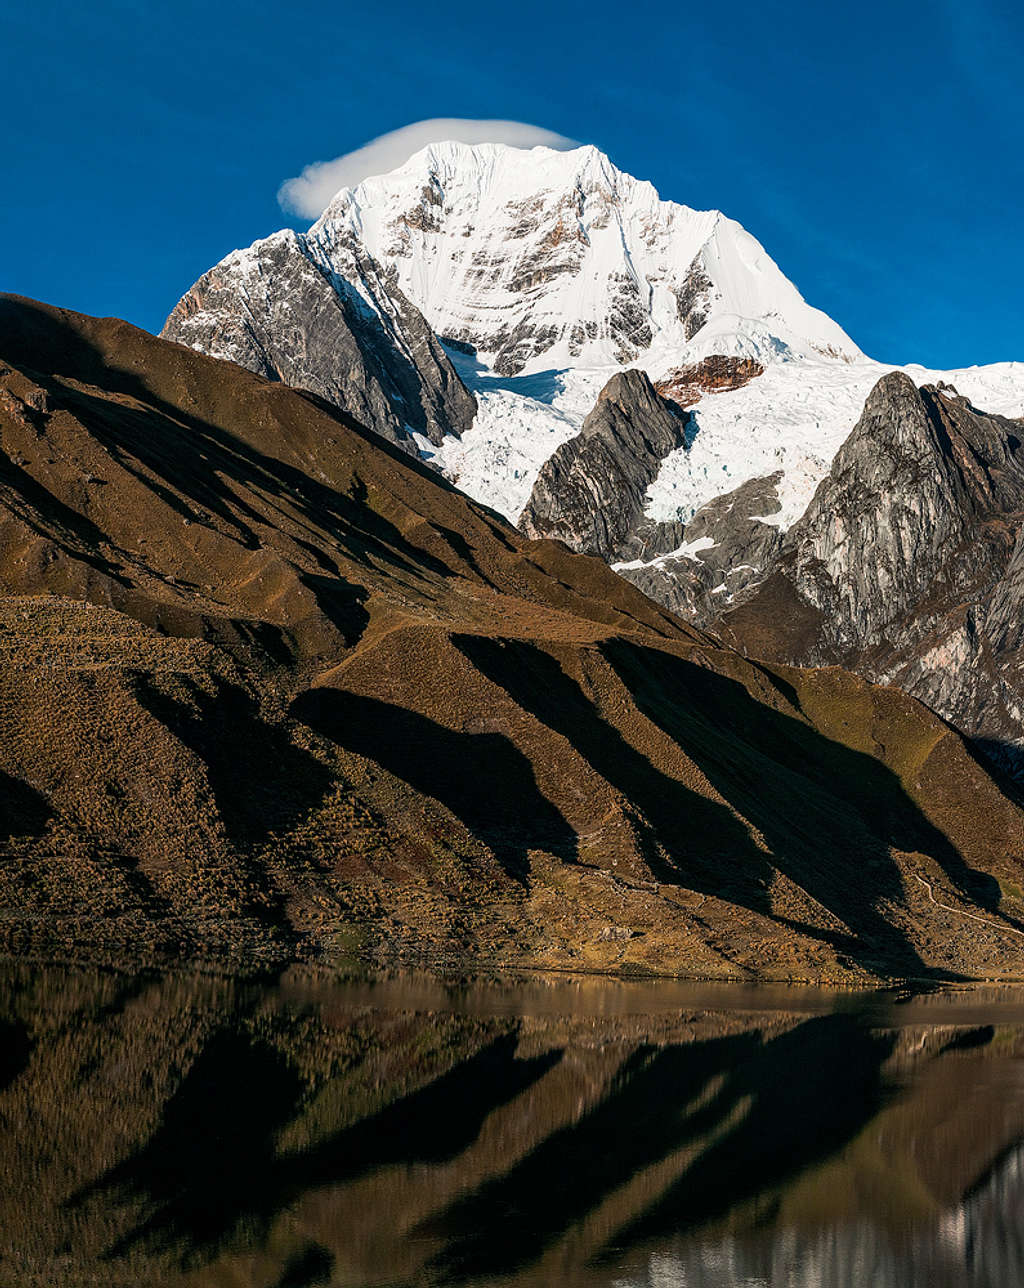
482, 778
811, 798
263, 784
194, 464
313, 1265
208, 475
461, 548
1004, 761
758, 760
688, 840
138, 889
778, 1109
199, 470
61, 524
15, 1049
262, 638
23, 810
341, 602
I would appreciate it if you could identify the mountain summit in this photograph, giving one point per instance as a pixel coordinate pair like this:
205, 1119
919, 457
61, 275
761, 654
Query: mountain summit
549, 259
472, 304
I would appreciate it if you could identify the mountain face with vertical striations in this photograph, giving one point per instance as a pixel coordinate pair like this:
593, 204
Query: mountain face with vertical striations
544, 260
909, 563
341, 329
270, 687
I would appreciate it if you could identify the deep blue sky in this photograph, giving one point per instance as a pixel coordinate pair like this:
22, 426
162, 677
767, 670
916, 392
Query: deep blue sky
877, 149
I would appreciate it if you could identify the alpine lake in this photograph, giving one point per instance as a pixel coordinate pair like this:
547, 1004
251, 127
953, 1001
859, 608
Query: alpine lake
293, 1128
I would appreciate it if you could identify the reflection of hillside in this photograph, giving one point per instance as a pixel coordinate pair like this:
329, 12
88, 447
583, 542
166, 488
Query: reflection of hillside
203, 1131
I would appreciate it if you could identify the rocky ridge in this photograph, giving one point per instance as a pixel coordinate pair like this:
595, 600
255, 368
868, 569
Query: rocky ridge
590, 493
342, 329
908, 564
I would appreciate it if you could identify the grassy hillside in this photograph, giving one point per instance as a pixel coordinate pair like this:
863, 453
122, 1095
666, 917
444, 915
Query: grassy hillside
268, 687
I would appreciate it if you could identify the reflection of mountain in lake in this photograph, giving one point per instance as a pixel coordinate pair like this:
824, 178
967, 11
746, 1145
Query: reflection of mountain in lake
297, 1131
979, 1241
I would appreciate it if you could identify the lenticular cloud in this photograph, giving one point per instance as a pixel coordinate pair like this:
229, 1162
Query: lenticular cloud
309, 193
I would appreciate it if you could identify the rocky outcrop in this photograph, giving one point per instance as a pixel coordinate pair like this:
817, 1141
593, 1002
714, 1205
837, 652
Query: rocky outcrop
694, 297
715, 374
590, 493
340, 328
699, 569
909, 562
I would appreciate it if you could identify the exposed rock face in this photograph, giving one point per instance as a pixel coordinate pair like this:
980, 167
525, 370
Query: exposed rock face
590, 493
342, 329
685, 386
724, 548
269, 686
694, 297
909, 563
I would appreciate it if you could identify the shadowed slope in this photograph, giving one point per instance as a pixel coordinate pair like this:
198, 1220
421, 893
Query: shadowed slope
267, 685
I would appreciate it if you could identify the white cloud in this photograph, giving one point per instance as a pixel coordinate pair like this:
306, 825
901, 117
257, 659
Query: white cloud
310, 192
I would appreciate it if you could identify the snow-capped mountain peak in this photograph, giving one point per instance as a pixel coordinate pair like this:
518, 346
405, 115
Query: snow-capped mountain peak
543, 259
544, 273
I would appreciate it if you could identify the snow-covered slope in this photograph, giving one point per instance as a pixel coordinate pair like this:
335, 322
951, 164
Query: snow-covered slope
794, 418
544, 273
558, 269
546, 260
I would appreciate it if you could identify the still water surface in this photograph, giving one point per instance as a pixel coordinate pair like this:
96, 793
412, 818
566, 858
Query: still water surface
300, 1130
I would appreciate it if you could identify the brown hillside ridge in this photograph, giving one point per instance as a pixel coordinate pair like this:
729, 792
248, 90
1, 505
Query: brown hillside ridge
271, 688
